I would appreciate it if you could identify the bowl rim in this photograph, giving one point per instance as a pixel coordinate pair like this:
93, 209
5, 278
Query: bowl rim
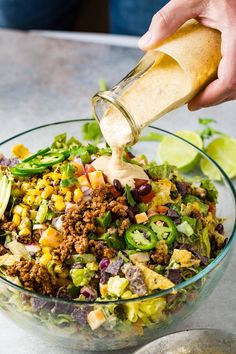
178, 334
161, 293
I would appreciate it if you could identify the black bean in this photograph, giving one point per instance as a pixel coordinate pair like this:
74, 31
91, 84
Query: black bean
131, 216
174, 194
219, 228
130, 154
182, 188
172, 214
134, 209
117, 185
135, 194
144, 189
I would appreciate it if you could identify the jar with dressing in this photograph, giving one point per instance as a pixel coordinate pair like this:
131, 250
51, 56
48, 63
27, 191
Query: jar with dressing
164, 79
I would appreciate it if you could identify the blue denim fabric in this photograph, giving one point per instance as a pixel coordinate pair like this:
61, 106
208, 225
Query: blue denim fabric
133, 16
38, 14
126, 16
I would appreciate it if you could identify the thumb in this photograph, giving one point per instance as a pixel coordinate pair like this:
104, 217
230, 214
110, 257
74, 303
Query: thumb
166, 21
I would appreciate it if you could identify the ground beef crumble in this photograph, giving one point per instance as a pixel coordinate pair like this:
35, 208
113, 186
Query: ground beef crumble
161, 253
33, 276
79, 221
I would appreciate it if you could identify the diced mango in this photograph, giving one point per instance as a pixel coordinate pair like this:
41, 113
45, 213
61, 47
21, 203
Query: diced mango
103, 289
45, 259
83, 181
20, 151
96, 179
78, 195
96, 318
50, 238
141, 218
79, 169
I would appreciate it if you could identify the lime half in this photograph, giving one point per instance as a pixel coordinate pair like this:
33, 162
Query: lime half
178, 153
223, 151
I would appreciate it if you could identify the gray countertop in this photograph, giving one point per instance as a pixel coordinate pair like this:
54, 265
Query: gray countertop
45, 80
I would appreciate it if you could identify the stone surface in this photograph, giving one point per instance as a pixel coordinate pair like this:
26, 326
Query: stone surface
45, 80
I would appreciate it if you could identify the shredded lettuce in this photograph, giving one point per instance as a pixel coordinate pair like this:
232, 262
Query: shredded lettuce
211, 191
156, 171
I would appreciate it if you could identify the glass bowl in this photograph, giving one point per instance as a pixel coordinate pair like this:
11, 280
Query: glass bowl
51, 318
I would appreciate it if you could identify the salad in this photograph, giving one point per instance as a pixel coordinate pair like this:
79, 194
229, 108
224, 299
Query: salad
67, 233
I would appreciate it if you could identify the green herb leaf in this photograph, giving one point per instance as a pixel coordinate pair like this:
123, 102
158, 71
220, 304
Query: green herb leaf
129, 196
211, 191
92, 131
161, 171
206, 121
102, 84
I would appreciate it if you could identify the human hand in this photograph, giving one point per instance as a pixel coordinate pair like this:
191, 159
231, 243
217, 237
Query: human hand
218, 14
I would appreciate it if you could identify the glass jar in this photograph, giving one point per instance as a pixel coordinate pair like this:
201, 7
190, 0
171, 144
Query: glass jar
164, 79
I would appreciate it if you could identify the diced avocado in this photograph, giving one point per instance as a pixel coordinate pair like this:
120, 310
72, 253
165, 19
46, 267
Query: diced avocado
81, 277
193, 199
105, 220
117, 285
82, 258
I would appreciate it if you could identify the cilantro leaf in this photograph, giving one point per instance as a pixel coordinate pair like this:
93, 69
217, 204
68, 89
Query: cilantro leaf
129, 196
206, 121
69, 179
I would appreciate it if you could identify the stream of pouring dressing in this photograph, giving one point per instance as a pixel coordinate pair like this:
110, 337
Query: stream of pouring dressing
164, 83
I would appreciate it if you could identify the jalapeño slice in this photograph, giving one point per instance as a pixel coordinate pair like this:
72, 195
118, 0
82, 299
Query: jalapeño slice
164, 228
140, 237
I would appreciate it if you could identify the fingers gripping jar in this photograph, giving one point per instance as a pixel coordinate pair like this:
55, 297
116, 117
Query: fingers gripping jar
164, 79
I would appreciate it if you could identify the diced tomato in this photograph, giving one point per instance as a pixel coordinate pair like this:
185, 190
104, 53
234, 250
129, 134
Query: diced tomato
212, 208
139, 182
114, 192
161, 209
147, 198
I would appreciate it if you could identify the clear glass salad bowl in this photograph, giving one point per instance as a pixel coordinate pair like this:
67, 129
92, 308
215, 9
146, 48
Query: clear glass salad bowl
51, 317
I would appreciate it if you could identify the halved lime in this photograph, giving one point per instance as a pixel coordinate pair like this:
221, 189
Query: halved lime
223, 151
179, 153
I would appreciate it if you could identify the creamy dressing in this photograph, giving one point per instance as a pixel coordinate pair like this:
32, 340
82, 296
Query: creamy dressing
144, 100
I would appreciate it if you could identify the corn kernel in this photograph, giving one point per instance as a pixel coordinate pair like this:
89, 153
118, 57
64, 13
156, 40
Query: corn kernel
68, 196
46, 250
78, 195
25, 232
45, 259
47, 193
24, 213
16, 192
25, 186
38, 200
60, 205
18, 210
56, 176
29, 199
63, 190
33, 214
16, 219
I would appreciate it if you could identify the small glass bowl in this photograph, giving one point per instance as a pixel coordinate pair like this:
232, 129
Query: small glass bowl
51, 318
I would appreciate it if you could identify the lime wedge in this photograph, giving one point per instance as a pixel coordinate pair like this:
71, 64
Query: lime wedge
178, 153
223, 151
